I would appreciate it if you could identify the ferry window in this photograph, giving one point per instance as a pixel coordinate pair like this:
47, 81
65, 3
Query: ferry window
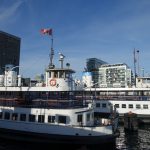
31, 118
51, 119
49, 74
67, 75
145, 106
61, 74
62, 119
55, 75
116, 105
22, 117
138, 106
7, 115
123, 105
41, 118
14, 116
98, 105
1, 115
104, 105
130, 105
88, 117
92, 115
79, 118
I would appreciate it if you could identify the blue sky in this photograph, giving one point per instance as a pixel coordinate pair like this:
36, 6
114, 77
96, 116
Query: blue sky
105, 29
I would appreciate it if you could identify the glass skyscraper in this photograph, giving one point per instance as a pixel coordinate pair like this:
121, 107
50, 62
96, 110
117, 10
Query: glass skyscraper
9, 50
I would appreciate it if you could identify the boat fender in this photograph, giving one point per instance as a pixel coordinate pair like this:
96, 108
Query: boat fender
52, 82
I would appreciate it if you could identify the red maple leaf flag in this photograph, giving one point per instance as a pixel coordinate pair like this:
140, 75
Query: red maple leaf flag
46, 31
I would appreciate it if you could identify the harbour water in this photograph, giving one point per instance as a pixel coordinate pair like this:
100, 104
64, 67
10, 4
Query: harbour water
139, 140
126, 141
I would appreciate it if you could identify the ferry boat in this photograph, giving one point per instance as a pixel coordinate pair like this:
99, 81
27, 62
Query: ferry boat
50, 111
126, 100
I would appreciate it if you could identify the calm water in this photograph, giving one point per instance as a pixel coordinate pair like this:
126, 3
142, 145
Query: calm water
130, 141
134, 141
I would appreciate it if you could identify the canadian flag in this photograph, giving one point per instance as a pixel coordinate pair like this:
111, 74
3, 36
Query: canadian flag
46, 31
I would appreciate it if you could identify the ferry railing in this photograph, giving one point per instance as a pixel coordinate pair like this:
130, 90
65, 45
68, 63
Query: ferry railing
42, 103
9, 101
138, 98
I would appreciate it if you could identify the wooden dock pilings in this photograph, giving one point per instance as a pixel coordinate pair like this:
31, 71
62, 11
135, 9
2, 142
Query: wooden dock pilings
130, 121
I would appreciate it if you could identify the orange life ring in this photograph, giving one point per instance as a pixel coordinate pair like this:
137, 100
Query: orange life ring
52, 82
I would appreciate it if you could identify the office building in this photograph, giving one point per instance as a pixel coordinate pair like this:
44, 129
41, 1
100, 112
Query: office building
9, 50
93, 65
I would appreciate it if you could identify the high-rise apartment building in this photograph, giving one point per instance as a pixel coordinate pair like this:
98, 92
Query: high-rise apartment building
9, 50
115, 75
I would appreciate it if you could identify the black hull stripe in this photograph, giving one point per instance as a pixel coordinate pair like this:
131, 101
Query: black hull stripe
53, 139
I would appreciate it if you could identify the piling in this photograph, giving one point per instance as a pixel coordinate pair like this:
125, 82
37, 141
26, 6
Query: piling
130, 121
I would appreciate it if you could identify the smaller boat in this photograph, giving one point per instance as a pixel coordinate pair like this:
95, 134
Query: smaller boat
64, 123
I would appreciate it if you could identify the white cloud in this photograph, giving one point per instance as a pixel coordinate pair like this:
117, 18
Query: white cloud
8, 11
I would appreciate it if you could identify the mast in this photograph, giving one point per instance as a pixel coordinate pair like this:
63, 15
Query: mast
50, 33
138, 62
135, 75
51, 65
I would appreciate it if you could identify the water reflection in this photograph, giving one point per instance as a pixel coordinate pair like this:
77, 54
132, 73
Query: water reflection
139, 140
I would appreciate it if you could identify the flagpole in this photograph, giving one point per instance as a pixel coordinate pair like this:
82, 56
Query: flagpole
51, 65
50, 32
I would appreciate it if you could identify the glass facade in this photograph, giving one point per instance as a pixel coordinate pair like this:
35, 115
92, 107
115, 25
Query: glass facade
93, 65
9, 50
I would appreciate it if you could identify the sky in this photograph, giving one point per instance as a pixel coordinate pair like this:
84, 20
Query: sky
105, 29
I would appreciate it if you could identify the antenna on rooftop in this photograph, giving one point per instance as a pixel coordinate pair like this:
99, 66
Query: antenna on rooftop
135, 74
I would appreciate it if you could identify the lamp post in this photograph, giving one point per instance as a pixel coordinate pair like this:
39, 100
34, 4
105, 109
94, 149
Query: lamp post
14, 68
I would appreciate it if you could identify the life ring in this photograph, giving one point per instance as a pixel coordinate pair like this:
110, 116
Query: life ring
52, 82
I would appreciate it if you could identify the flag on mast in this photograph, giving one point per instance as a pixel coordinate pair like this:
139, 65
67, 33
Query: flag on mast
46, 31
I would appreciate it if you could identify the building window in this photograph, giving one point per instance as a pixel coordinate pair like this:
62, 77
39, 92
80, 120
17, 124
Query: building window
22, 117
14, 116
145, 106
62, 119
123, 105
41, 118
7, 115
130, 105
31, 118
138, 106
51, 119
116, 105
